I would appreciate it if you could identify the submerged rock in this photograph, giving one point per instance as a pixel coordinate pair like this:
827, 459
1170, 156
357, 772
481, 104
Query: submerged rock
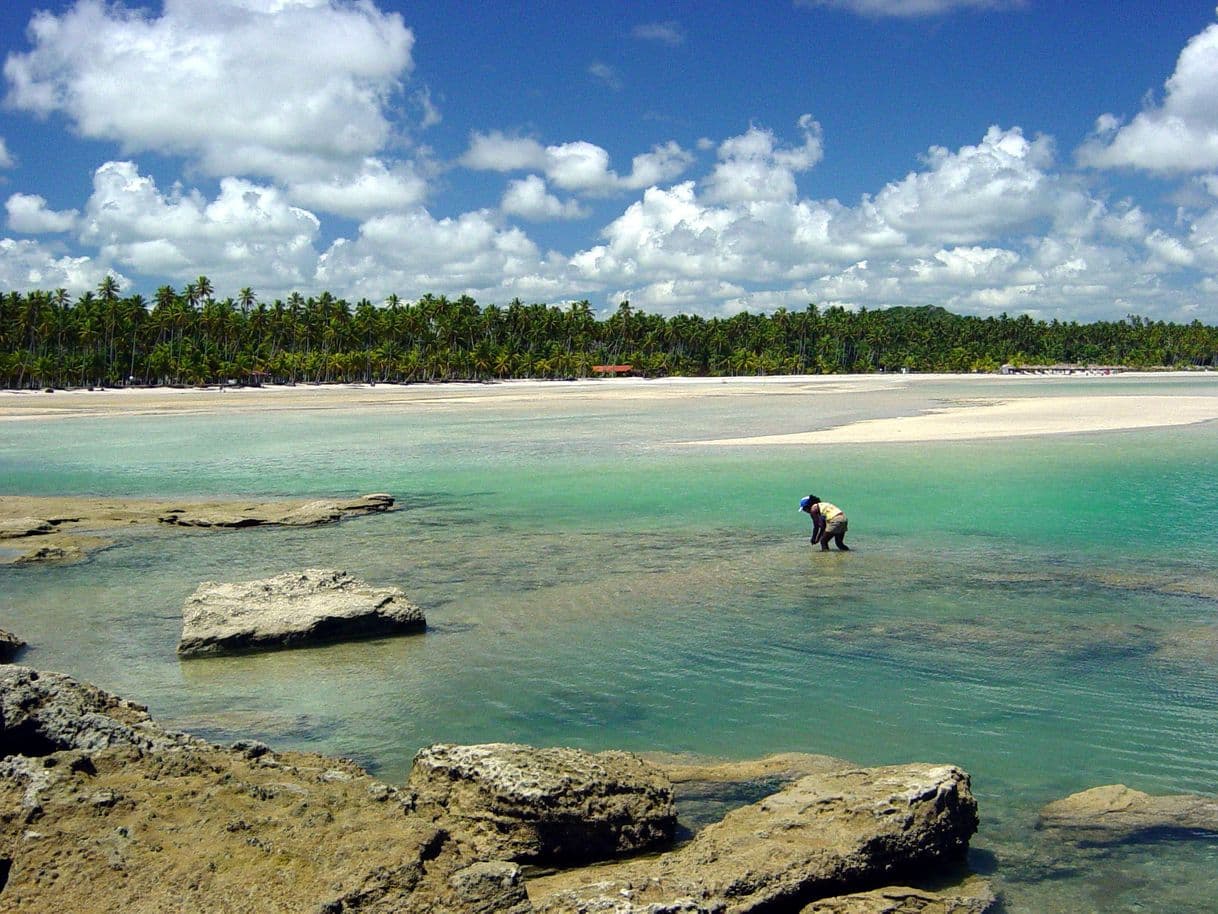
292, 610
824, 835
1115, 813
10, 646
553, 806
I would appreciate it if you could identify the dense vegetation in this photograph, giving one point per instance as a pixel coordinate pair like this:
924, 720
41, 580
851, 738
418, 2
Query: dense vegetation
48, 339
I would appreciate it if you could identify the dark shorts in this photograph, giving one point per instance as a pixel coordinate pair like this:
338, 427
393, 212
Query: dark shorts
834, 527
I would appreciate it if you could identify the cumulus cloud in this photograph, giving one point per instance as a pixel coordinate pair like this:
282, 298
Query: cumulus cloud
414, 253
976, 192
668, 32
6, 159
909, 9
529, 199
28, 213
241, 87
27, 265
247, 230
754, 166
1178, 135
374, 188
988, 227
580, 166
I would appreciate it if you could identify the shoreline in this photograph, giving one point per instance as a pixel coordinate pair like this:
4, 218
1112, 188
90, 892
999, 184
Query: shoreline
989, 415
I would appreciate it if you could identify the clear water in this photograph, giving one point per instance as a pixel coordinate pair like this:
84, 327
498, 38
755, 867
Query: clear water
1043, 612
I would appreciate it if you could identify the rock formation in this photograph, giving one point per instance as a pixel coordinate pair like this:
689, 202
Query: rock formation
309, 514
558, 806
292, 610
102, 809
974, 897
823, 836
63, 528
1115, 813
10, 646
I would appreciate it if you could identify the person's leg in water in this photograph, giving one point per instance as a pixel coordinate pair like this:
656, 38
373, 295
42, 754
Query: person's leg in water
837, 533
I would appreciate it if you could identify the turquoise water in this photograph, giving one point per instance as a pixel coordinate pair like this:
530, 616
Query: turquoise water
1043, 612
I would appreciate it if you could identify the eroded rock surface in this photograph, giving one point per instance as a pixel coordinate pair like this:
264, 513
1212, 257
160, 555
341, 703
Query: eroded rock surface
103, 810
558, 806
974, 897
292, 610
1115, 813
10, 646
825, 835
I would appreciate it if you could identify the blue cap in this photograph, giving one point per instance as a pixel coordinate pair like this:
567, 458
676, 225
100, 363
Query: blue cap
804, 502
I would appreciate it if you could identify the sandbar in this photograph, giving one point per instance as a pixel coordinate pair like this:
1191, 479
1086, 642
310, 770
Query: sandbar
986, 418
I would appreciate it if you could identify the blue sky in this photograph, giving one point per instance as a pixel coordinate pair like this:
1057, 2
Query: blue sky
1019, 156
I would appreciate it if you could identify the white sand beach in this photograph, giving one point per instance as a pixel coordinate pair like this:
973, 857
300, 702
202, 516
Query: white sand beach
1023, 414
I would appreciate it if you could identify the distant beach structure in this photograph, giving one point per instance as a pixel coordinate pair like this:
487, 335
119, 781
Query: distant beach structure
613, 370
1063, 369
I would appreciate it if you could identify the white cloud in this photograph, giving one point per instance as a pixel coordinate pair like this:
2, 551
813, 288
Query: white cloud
754, 167
982, 229
496, 151
374, 188
1178, 136
908, 9
605, 74
28, 213
975, 193
529, 199
414, 253
28, 265
6, 159
668, 32
246, 231
239, 86
580, 166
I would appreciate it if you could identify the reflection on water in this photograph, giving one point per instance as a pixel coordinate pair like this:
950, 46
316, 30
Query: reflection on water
1017, 608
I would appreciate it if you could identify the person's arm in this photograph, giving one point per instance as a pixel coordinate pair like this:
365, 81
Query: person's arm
818, 526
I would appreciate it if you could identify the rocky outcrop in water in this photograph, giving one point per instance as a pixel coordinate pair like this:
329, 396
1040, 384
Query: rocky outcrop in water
1115, 813
823, 836
102, 809
559, 806
309, 514
55, 528
292, 610
10, 646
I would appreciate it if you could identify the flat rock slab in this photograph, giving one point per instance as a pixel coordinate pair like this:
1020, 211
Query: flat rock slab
309, 514
552, 806
292, 610
974, 897
1115, 813
16, 527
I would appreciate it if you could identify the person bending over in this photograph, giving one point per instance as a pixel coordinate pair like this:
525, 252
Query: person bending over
828, 522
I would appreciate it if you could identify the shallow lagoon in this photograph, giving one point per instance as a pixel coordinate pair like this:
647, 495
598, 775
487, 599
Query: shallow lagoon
1040, 611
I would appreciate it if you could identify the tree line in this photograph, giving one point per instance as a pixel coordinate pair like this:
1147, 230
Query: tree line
191, 337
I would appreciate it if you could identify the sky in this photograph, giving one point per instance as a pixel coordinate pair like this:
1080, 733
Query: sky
1053, 158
